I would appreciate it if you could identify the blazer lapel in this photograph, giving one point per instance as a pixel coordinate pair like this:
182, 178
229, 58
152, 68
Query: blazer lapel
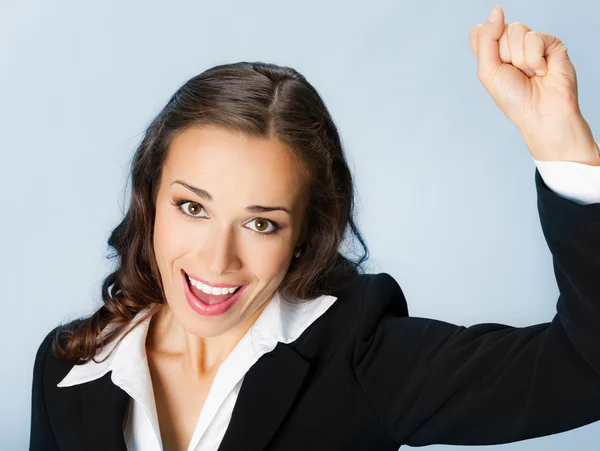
103, 407
266, 395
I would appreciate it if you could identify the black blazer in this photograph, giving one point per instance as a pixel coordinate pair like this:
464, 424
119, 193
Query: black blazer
365, 376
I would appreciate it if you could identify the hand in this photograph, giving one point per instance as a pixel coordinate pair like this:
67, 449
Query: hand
530, 77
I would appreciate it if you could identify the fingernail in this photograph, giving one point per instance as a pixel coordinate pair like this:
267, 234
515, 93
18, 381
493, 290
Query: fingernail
540, 72
495, 14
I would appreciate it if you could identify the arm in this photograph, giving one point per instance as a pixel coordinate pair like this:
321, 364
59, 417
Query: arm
41, 435
433, 382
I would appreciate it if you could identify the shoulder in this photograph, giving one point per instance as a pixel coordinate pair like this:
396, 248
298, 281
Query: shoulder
381, 297
46, 365
372, 298
369, 309
58, 334
42, 353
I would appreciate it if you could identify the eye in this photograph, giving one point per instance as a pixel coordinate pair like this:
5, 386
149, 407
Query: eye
262, 226
191, 211
192, 208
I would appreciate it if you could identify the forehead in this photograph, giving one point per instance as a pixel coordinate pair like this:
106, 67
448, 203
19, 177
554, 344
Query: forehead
225, 164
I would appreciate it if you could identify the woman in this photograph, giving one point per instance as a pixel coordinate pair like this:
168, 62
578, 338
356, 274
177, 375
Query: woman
234, 322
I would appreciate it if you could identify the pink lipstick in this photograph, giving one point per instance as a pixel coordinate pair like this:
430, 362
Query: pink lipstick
203, 308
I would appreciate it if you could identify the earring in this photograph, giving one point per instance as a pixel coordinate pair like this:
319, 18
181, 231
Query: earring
298, 253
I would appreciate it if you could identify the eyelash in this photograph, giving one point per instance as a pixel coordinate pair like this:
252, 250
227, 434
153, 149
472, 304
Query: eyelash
179, 203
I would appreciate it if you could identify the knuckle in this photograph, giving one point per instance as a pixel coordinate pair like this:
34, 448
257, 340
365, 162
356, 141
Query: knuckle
520, 25
531, 35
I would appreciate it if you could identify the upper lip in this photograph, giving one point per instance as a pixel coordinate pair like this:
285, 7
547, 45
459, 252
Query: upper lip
206, 282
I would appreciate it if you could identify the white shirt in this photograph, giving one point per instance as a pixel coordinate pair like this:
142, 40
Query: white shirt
280, 321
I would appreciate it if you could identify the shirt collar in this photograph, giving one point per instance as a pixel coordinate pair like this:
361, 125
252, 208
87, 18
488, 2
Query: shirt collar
282, 320
131, 346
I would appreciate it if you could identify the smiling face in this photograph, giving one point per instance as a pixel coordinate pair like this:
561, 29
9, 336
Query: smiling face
218, 233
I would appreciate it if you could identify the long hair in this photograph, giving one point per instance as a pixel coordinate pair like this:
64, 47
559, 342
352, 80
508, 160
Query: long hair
260, 100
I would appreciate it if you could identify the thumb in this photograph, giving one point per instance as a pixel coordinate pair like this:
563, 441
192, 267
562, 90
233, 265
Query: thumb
488, 45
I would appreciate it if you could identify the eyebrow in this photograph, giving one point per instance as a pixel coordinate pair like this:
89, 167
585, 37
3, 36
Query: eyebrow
250, 208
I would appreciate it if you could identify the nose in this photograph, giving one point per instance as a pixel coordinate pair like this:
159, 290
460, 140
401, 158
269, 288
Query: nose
221, 254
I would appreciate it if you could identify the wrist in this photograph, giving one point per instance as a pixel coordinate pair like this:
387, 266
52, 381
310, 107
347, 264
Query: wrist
563, 139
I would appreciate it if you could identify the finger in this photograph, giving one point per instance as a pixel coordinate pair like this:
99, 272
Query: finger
504, 49
516, 46
488, 52
536, 46
503, 41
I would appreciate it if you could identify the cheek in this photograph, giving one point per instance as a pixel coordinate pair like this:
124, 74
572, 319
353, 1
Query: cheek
169, 237
270, 264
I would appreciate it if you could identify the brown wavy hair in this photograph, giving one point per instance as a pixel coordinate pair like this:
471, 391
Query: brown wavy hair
261, 100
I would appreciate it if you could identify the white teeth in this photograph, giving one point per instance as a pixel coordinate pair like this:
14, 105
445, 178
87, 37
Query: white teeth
211, 290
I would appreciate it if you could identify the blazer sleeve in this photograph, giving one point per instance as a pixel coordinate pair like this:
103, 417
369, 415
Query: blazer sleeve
41, 435
431, 382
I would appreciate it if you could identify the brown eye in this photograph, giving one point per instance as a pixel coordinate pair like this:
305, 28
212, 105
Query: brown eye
262, 226
192, 208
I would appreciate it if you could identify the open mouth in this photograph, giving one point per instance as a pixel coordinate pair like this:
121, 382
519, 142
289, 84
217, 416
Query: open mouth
208, 294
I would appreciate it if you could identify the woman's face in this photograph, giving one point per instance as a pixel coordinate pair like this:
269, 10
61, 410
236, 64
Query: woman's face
215, 235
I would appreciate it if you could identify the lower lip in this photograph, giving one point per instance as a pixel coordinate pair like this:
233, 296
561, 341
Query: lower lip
202, 307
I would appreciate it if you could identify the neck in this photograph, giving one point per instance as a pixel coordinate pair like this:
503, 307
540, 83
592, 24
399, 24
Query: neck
203, 356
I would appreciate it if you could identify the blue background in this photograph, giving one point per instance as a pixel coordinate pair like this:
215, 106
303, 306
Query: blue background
446, 188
